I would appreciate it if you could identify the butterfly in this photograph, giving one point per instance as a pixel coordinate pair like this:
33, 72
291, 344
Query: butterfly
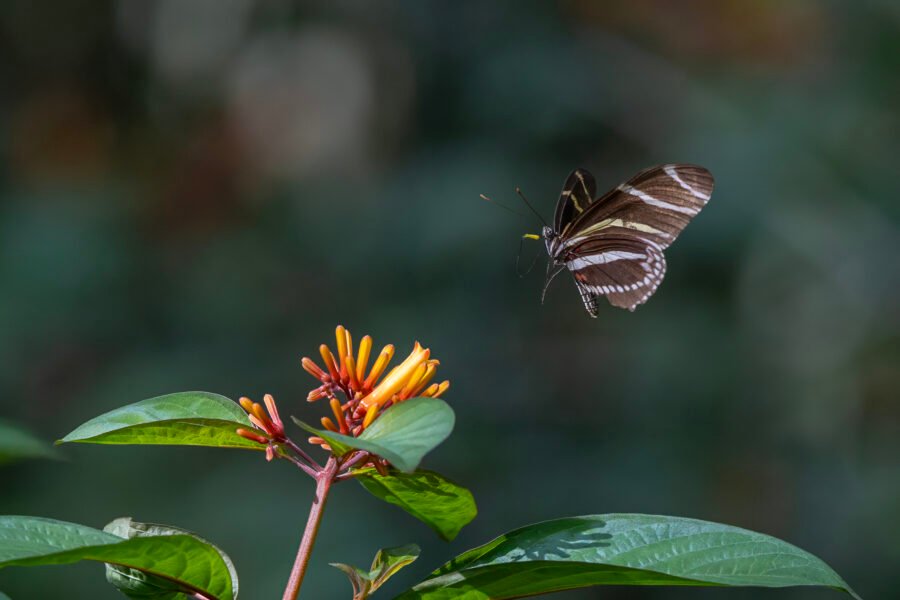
613, 245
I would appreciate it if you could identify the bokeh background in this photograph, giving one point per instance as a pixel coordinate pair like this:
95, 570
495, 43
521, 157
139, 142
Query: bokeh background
194, 193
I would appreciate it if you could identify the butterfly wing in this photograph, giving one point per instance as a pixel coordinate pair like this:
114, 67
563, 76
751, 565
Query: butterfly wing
655, 205
577, 194
614, 246
625, 270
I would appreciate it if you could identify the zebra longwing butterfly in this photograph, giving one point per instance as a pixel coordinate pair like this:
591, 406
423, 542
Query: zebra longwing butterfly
613, 245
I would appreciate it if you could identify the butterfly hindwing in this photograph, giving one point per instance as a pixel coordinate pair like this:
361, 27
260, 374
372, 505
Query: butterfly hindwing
626, 271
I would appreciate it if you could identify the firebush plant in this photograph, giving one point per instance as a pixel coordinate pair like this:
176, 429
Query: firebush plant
380, 424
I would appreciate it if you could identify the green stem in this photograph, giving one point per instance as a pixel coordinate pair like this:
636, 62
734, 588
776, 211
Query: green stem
324, 479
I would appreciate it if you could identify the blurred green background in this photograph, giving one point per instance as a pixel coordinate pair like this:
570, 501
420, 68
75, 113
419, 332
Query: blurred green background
194, 193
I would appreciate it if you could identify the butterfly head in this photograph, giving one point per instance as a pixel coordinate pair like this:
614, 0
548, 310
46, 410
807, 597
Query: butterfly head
551, 240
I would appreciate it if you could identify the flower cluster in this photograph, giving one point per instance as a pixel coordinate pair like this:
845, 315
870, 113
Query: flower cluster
356, 397
269, 425
365, 396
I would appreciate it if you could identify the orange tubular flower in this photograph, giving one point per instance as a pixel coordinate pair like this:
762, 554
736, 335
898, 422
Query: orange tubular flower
365, 398
398, 378
269, 429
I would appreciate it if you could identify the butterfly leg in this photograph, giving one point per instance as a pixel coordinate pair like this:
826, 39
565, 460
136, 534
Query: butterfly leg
550, 277
519, 255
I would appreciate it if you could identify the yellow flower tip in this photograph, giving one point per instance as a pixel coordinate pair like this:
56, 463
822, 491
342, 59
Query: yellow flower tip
413, 381
336, 408
351, 372
442, 388
329, 424
425, 353
338, 411
430, 370
259, 412
365, 348
349, 342
328, 359
430, 391
340, 336
371, 412
246, 404
387, 353
397, 379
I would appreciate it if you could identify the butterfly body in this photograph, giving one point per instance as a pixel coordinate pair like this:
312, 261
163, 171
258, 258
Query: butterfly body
613, 244
551, 240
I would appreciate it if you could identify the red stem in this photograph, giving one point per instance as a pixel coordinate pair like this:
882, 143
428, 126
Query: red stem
324, 479
303, 455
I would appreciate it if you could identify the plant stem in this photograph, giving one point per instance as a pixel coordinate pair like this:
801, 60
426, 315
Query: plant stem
324, 479
302, 465
354, 460
302, 454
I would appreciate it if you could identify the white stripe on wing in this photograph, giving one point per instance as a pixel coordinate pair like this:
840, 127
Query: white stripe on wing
603, 258
648, 199
672, 172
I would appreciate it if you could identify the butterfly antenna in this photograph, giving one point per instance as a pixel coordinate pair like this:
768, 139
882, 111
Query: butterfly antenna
528, 204
504, 207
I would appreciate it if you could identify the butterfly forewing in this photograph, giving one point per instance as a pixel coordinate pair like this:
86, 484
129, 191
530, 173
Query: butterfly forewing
655, 205
577, 194
613, 245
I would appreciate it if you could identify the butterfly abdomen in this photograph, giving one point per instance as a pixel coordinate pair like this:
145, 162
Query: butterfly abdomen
589, 300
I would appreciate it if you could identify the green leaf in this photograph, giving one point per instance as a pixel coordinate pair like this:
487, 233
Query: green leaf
16, 444
436, 501
4, 596
623, 549
182, 559
141, 586
403, 434
182, 419
387, 562
137, 584
390, 560
359, 579
340, 444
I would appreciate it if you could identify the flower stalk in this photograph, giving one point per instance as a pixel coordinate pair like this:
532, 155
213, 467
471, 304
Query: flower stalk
324, 479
